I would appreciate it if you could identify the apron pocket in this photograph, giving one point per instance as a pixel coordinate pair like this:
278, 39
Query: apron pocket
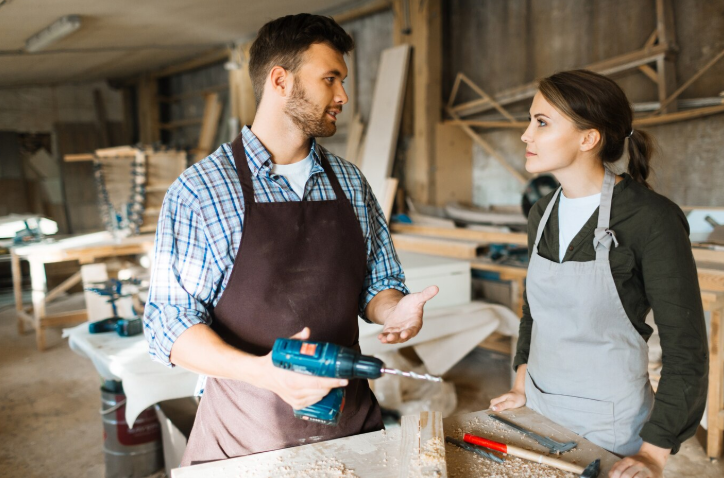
592, 419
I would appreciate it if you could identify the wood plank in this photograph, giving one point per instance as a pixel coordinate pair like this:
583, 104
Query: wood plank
63, 287
70, 158
665, 65
354, 139
209, 127
679, 116
708, 255
389, 199
422, 446
383, 127
436, 246
62, 319
490, 124
610, 66
117, 152
715, 398
453, 166
376, 454
481, 237
711, 279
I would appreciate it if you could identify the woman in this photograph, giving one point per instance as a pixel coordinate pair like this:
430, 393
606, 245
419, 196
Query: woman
604, 251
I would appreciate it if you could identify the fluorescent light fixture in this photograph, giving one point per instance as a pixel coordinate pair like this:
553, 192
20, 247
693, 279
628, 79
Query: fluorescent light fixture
14, 223
60, 28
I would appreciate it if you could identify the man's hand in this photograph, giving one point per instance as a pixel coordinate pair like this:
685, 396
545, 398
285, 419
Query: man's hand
401, 315
647, 463
298, 390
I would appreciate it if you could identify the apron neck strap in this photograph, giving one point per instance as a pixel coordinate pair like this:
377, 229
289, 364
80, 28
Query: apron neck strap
333, 181
242, 170
604, 238
544, 219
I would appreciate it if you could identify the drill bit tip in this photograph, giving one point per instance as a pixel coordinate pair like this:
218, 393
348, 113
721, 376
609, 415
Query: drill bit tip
417, 376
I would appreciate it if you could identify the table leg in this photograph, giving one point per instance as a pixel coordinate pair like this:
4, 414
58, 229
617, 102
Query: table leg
39, 285
715, 399
18, 291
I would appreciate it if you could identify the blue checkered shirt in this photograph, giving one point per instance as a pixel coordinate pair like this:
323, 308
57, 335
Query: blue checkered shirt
200, 229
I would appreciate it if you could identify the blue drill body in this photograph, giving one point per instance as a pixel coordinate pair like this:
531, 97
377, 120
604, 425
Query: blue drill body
324, 359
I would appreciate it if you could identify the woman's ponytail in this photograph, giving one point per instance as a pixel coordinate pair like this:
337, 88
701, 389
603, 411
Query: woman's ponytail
640, 149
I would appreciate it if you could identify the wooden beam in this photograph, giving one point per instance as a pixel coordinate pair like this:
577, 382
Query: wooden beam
488, 148
364, 11
148, 111
63, 287
616, 64
209, 127
486, 96
665, 65
71, 158
679, 116
422, 446
673, 96
453, 165
424, 34
490, 124
216, 55
481, 237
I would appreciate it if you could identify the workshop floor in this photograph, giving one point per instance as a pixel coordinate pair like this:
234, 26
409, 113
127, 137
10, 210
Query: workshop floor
49, 401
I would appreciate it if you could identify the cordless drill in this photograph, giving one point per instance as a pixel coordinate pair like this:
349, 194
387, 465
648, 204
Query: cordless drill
323, 359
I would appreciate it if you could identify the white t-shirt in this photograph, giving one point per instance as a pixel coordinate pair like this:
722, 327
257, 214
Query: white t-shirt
572, 215
296, 173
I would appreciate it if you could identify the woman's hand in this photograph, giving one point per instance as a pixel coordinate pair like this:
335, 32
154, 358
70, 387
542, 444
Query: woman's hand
647, 463
512, 399
516, 397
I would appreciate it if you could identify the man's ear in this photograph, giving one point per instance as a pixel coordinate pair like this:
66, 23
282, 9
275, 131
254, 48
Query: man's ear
281, 81
590, 140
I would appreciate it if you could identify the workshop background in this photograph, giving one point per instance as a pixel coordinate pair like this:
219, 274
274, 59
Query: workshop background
103, 104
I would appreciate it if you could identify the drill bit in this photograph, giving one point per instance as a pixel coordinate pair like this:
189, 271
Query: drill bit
427, 376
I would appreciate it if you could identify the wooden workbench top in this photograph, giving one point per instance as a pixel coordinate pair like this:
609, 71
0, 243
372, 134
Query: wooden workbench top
376, 455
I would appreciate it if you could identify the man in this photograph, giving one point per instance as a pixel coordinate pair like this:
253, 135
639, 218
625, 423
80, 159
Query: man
272, 236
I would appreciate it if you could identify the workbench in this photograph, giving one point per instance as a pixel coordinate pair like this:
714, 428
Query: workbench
85, 249
377, 454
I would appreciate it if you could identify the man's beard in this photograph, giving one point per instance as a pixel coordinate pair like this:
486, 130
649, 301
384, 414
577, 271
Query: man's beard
305, 117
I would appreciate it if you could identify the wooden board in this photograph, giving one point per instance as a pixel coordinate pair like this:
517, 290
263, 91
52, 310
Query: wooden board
436, 246
520, 239
354, 139
422, 446
454, 165
384, 123
377, 454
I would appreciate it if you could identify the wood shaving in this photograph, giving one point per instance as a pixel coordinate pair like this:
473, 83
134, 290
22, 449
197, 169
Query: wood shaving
327, 468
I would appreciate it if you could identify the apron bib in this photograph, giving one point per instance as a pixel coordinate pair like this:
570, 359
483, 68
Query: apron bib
588, 366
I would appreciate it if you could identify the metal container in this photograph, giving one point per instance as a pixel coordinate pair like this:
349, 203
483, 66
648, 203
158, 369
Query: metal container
129, 452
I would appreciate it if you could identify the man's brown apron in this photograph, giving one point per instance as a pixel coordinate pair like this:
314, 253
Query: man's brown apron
300, 264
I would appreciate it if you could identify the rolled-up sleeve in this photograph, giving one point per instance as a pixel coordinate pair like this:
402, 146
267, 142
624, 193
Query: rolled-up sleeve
672, 290
183, 281
383, 266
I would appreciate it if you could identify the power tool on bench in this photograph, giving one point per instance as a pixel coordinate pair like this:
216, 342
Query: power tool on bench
323, 359
123, 327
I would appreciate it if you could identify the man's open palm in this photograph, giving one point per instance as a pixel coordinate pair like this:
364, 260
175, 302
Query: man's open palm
404, 320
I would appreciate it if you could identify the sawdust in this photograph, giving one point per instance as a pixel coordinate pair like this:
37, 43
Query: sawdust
430, 462
327, 468
463, 464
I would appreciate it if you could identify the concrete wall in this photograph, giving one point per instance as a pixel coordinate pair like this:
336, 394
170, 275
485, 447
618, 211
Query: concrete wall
36, 109
502, 44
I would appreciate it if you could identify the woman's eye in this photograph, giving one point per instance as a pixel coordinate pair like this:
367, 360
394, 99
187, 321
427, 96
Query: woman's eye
541, 122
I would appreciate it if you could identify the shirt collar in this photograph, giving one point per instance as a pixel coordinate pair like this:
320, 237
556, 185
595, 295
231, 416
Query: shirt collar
259, 158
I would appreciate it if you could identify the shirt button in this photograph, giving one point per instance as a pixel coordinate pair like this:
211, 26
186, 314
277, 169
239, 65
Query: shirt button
570, 248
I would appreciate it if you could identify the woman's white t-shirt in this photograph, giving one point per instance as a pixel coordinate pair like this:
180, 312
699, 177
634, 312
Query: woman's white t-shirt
572, 215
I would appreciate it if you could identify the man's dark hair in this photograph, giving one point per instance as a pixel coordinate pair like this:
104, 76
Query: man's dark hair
283, 41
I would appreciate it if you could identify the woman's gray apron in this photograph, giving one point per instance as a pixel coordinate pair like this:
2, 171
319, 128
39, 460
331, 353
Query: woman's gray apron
588, 366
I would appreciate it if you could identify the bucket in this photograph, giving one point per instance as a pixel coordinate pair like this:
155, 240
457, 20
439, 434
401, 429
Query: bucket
129, 452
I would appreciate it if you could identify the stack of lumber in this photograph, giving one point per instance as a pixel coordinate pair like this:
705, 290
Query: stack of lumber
458, 242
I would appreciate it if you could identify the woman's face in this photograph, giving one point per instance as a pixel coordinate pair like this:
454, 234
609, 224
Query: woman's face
552, 140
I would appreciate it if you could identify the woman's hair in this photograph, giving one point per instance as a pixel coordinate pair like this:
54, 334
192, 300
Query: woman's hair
593, 101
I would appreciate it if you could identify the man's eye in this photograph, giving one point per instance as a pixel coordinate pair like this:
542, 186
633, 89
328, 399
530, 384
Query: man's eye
330, 79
